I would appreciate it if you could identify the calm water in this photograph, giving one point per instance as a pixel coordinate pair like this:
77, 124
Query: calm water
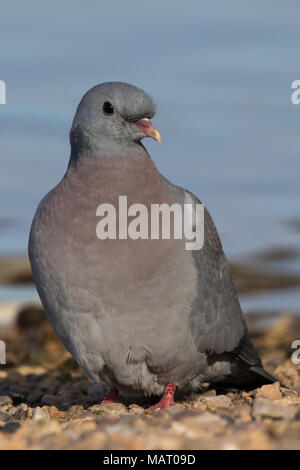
221, 73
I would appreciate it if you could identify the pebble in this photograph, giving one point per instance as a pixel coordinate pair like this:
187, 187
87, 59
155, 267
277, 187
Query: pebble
4, 416
21, 413
263, 408
113, 409
51, 400
215, 402
38, 413
271, 392
5, 400
137, 411
175, 409
74, 411
10, 427
96, 392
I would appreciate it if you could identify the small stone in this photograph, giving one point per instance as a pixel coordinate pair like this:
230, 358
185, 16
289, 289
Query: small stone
248, 395
297, 389
43, 427
138, 411
175, 409
263, 408
17, 396
290, 397
278, 427
11, 426
38, 413
243, 413
200, 405
54, 413
96, 392
113, 409
35, 396
289, 393
31, 316
5, 400
72, 398
6, 408
271, 392
12, 410
21, 413
73, 412
50, 385
51, 400
30, 370
86, 415
253, 436
219, 401
4, 416
288, 375
207, 423
209, 393
94, 440
82, 424
162, 414
64, 377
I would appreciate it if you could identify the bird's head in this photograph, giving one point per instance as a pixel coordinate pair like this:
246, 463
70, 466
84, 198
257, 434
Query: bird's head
112, 115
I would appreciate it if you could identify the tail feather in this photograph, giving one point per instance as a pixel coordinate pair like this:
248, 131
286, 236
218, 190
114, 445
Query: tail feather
263, 375
247, 354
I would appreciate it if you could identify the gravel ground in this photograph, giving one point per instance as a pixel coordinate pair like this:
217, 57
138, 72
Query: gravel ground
47, 403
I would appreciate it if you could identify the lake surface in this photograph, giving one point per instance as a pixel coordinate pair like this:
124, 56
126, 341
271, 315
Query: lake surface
221, 73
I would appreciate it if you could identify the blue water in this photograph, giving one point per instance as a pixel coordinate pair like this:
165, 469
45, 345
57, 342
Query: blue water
221, 73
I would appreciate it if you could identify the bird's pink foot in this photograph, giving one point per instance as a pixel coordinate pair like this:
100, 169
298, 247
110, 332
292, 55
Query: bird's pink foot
167, 399
110, 397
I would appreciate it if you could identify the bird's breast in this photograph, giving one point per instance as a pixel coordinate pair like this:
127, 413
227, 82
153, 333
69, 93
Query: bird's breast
137, 277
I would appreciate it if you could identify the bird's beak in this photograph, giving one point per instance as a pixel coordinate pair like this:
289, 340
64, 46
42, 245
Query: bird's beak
146, 127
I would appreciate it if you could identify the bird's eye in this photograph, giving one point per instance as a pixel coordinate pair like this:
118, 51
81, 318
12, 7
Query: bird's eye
108, 108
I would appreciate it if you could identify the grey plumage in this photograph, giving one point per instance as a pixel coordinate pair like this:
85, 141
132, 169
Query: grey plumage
136, 314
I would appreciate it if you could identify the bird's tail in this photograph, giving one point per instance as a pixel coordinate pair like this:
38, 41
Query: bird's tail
263, 376
247, 354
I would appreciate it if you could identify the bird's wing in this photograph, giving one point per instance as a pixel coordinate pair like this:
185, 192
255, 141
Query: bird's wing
217, 322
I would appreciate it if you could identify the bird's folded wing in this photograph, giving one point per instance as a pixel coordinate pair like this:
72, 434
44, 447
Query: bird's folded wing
216, 319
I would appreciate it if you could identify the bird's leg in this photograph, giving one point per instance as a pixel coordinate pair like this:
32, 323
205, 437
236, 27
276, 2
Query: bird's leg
110, 397
167, 399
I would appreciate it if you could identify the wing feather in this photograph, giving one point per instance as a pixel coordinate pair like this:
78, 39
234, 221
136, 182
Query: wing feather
217, 321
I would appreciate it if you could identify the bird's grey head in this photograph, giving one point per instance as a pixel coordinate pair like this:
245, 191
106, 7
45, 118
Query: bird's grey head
110, 117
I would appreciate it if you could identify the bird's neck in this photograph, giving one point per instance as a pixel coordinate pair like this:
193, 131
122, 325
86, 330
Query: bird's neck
107, 177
